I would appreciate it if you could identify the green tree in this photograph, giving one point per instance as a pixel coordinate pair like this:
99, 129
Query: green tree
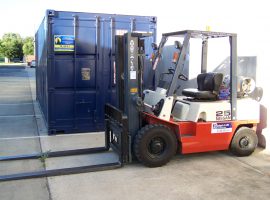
1, 56
0, 48
28, 46
11, 46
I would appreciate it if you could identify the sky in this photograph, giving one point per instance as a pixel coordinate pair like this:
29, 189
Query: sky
24, 16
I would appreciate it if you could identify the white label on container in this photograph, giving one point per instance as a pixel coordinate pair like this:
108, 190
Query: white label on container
120, 31
132, 75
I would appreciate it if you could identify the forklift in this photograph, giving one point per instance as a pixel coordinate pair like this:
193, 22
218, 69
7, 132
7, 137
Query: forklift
162, 123
151, 126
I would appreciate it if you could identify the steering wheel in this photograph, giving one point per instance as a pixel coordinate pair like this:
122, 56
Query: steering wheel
183, 77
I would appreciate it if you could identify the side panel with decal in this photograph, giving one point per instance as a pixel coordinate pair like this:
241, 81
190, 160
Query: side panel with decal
221, 128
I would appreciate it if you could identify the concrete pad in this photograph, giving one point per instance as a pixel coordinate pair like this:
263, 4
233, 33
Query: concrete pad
5, 73
13, 82
16, 109
17, 126
74, 141
199, 176
81, 160
12, 73
33, 189
259, 160
20, 166
9, 70
16, 66
23, 81
9, 91
15, 99
19, 146
14, 89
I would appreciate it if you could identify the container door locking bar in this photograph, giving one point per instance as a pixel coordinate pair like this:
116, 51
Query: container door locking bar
116, 138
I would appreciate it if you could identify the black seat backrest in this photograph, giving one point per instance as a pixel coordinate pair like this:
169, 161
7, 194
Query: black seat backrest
209, 82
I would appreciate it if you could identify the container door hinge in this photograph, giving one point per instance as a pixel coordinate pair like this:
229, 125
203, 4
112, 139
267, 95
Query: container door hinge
51, 21
153, 19
51, 13
97, 22
112, 23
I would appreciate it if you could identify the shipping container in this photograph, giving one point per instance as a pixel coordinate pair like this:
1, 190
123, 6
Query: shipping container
75, 55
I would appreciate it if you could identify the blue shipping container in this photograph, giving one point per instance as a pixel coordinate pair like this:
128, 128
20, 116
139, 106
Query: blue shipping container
75, 55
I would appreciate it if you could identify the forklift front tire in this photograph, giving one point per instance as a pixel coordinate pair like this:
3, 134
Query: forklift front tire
244, 142
155, 145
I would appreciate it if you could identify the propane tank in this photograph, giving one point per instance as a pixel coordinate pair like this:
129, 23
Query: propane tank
245, 86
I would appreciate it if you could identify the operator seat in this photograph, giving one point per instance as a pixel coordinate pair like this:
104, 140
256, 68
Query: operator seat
208, 87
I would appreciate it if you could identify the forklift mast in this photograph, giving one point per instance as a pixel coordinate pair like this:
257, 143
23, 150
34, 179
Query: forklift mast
130, 53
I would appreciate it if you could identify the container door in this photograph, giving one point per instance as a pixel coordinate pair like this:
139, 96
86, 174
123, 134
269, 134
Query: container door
74, 92
88, 75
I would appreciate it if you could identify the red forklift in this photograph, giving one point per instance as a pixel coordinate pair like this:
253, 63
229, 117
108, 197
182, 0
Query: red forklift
151, 126
162, 123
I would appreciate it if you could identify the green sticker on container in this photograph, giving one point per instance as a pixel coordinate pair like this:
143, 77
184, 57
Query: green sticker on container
64, 43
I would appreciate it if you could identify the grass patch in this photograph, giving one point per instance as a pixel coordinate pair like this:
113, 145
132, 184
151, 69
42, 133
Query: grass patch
43, 157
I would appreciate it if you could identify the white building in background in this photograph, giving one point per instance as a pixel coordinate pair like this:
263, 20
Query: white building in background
6, 60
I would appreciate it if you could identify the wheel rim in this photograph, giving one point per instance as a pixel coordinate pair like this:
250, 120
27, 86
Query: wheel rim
244, 142
156, 146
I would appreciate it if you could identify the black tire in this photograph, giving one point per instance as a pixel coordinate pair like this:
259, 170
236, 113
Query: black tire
244, 142
155, 145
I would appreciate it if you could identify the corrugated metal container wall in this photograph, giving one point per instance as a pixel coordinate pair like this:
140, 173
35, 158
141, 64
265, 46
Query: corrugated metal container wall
75, 66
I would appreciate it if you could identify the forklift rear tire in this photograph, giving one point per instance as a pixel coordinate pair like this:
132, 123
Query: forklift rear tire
244, 142
155, 145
